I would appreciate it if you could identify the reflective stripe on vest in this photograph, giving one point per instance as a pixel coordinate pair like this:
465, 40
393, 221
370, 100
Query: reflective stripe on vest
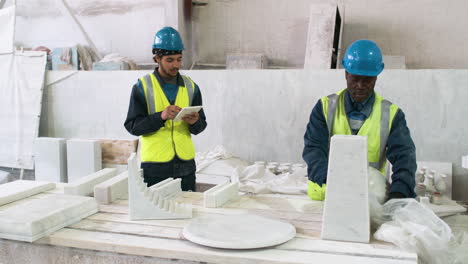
174, 137
381, 118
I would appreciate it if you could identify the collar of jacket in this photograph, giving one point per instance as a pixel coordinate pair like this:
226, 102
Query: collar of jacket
352, 106
161, 81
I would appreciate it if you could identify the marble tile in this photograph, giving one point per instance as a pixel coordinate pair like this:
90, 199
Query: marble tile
238, 231
17, 190
50, 159
83, 158
85, 186
346, 206
32, 218
112, 189
157, 201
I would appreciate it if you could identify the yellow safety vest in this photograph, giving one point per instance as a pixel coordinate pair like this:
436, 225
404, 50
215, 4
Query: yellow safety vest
376, 127
174, 137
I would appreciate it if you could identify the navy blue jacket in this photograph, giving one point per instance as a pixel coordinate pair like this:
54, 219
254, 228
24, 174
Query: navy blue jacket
401, 151
139, 122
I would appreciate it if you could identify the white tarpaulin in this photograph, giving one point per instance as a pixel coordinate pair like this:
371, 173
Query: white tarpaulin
21, 84
7, 29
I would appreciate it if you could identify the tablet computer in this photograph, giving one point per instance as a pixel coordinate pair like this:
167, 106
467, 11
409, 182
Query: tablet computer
187, 110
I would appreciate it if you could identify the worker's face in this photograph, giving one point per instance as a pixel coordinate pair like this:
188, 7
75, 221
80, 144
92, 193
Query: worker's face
360, 87
169, 65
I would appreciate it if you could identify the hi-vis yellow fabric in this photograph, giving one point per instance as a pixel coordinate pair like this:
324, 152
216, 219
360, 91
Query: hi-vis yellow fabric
174, 137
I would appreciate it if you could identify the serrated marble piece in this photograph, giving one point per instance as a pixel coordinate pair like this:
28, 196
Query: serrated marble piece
50, 159
112, 189
346, 206
17, 190
42, 214
221, 194
85, 186
155, 202
83, 158
238, 231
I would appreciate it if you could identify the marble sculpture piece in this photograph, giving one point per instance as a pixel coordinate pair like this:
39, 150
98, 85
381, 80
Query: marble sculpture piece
17, 190
238, 231
112, 189
221, 194
346, 207
157, 201
85, 186
40, 215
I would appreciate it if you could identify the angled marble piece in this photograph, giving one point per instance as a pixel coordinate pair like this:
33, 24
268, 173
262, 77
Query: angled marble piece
50, 159
85, 186
155, 202
83, 158
42, 214
112, 189
238, 231
221, 194
346, 207
17, 190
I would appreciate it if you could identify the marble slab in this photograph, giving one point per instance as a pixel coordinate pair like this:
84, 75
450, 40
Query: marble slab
85, 186
240, 231
42, 214
346, 207
112, 189
83, 158
50, 159
17, 190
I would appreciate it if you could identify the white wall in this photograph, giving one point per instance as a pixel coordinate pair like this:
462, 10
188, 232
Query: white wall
115, 26
430, 33
262, 114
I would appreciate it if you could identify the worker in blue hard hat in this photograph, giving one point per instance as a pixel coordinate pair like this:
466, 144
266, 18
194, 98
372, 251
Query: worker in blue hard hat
359, 110
167, 150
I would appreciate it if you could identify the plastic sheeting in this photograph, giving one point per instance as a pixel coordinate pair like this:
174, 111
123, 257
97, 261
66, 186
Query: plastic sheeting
21, 84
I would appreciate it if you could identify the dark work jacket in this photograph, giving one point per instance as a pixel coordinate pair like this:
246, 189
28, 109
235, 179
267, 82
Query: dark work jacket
401, 151
139, 122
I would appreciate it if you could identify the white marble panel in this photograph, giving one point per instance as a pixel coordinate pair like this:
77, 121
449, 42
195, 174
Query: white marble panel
112, 189
40, 215
17, 190
50, 160
346, 208
83, 158
85, 186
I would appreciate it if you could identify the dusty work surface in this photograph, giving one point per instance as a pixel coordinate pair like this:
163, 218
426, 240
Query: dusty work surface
111, 231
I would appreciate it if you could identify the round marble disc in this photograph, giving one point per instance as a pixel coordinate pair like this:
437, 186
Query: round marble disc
238, 231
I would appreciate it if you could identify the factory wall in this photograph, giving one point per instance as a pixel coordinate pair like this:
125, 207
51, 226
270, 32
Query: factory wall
262, 114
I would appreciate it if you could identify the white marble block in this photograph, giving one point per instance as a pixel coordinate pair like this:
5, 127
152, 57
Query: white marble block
42, 214
17, 190
221, 194
465, 162
85, 186
112, 189
346, 207
246, 61
50, 159
155, 202
83, 158
4, 177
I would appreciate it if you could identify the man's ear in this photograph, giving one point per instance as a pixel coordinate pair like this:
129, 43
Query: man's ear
156, 58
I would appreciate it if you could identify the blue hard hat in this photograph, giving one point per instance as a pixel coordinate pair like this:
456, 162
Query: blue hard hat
363, 57
168, 39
